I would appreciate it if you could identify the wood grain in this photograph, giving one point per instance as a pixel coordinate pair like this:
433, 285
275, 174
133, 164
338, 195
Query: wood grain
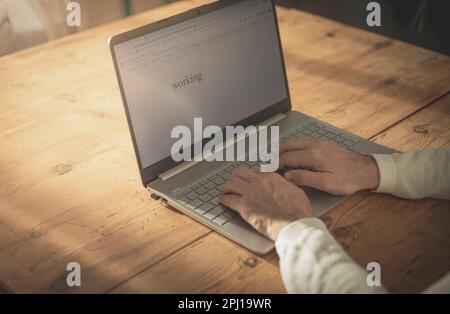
197, 270
69, 185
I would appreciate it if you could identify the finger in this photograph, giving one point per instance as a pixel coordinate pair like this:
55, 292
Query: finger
307, 178
235, 186
300, 158
234, 202
245, 174
298, 144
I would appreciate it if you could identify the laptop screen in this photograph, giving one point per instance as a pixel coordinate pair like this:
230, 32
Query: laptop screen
223, 66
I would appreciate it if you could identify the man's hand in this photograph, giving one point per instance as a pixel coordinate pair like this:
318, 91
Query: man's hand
330, 168
265, 200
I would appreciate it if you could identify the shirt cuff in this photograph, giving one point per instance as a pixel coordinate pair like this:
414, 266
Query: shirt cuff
388, 173
293, 231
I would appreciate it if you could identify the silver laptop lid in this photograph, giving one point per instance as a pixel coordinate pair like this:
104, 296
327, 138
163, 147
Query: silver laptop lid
222, 62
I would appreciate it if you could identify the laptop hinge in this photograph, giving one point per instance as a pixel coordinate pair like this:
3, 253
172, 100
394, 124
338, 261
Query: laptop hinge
188, 164
177, 169
273, 119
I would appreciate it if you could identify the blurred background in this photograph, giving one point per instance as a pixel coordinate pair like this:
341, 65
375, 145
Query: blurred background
424, 23
25, 23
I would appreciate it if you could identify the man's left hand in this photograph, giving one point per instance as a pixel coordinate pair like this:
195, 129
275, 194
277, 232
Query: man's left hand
266, 201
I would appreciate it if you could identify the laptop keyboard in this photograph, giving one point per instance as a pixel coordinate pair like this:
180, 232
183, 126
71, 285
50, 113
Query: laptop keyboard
203, 197
320, 131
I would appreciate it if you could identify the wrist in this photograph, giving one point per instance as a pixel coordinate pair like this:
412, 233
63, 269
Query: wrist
275, 227
370, 176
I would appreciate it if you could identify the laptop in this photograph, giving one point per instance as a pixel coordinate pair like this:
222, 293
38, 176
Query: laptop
222, 62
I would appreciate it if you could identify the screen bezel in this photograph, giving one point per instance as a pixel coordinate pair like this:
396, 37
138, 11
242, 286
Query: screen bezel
152, 172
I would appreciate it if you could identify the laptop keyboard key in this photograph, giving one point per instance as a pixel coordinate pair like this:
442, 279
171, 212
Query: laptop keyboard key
214, 212
192, 195
186, 191
210, 185
194, 204
218, 181
204, 208
330, 136
331, 130
201, 190
215, 201
221, 220
206, 198
184, 200
215, 192
230, 213
226, 175
348, 143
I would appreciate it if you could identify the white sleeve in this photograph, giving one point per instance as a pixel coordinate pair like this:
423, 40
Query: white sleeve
311, 261
415, 175
440, 286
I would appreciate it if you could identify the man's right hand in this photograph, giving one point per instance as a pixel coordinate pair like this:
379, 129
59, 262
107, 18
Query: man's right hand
330, 168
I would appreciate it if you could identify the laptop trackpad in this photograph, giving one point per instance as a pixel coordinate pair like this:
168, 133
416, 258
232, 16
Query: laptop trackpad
322, 201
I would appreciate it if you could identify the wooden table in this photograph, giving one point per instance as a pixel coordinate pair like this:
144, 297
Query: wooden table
70, 187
